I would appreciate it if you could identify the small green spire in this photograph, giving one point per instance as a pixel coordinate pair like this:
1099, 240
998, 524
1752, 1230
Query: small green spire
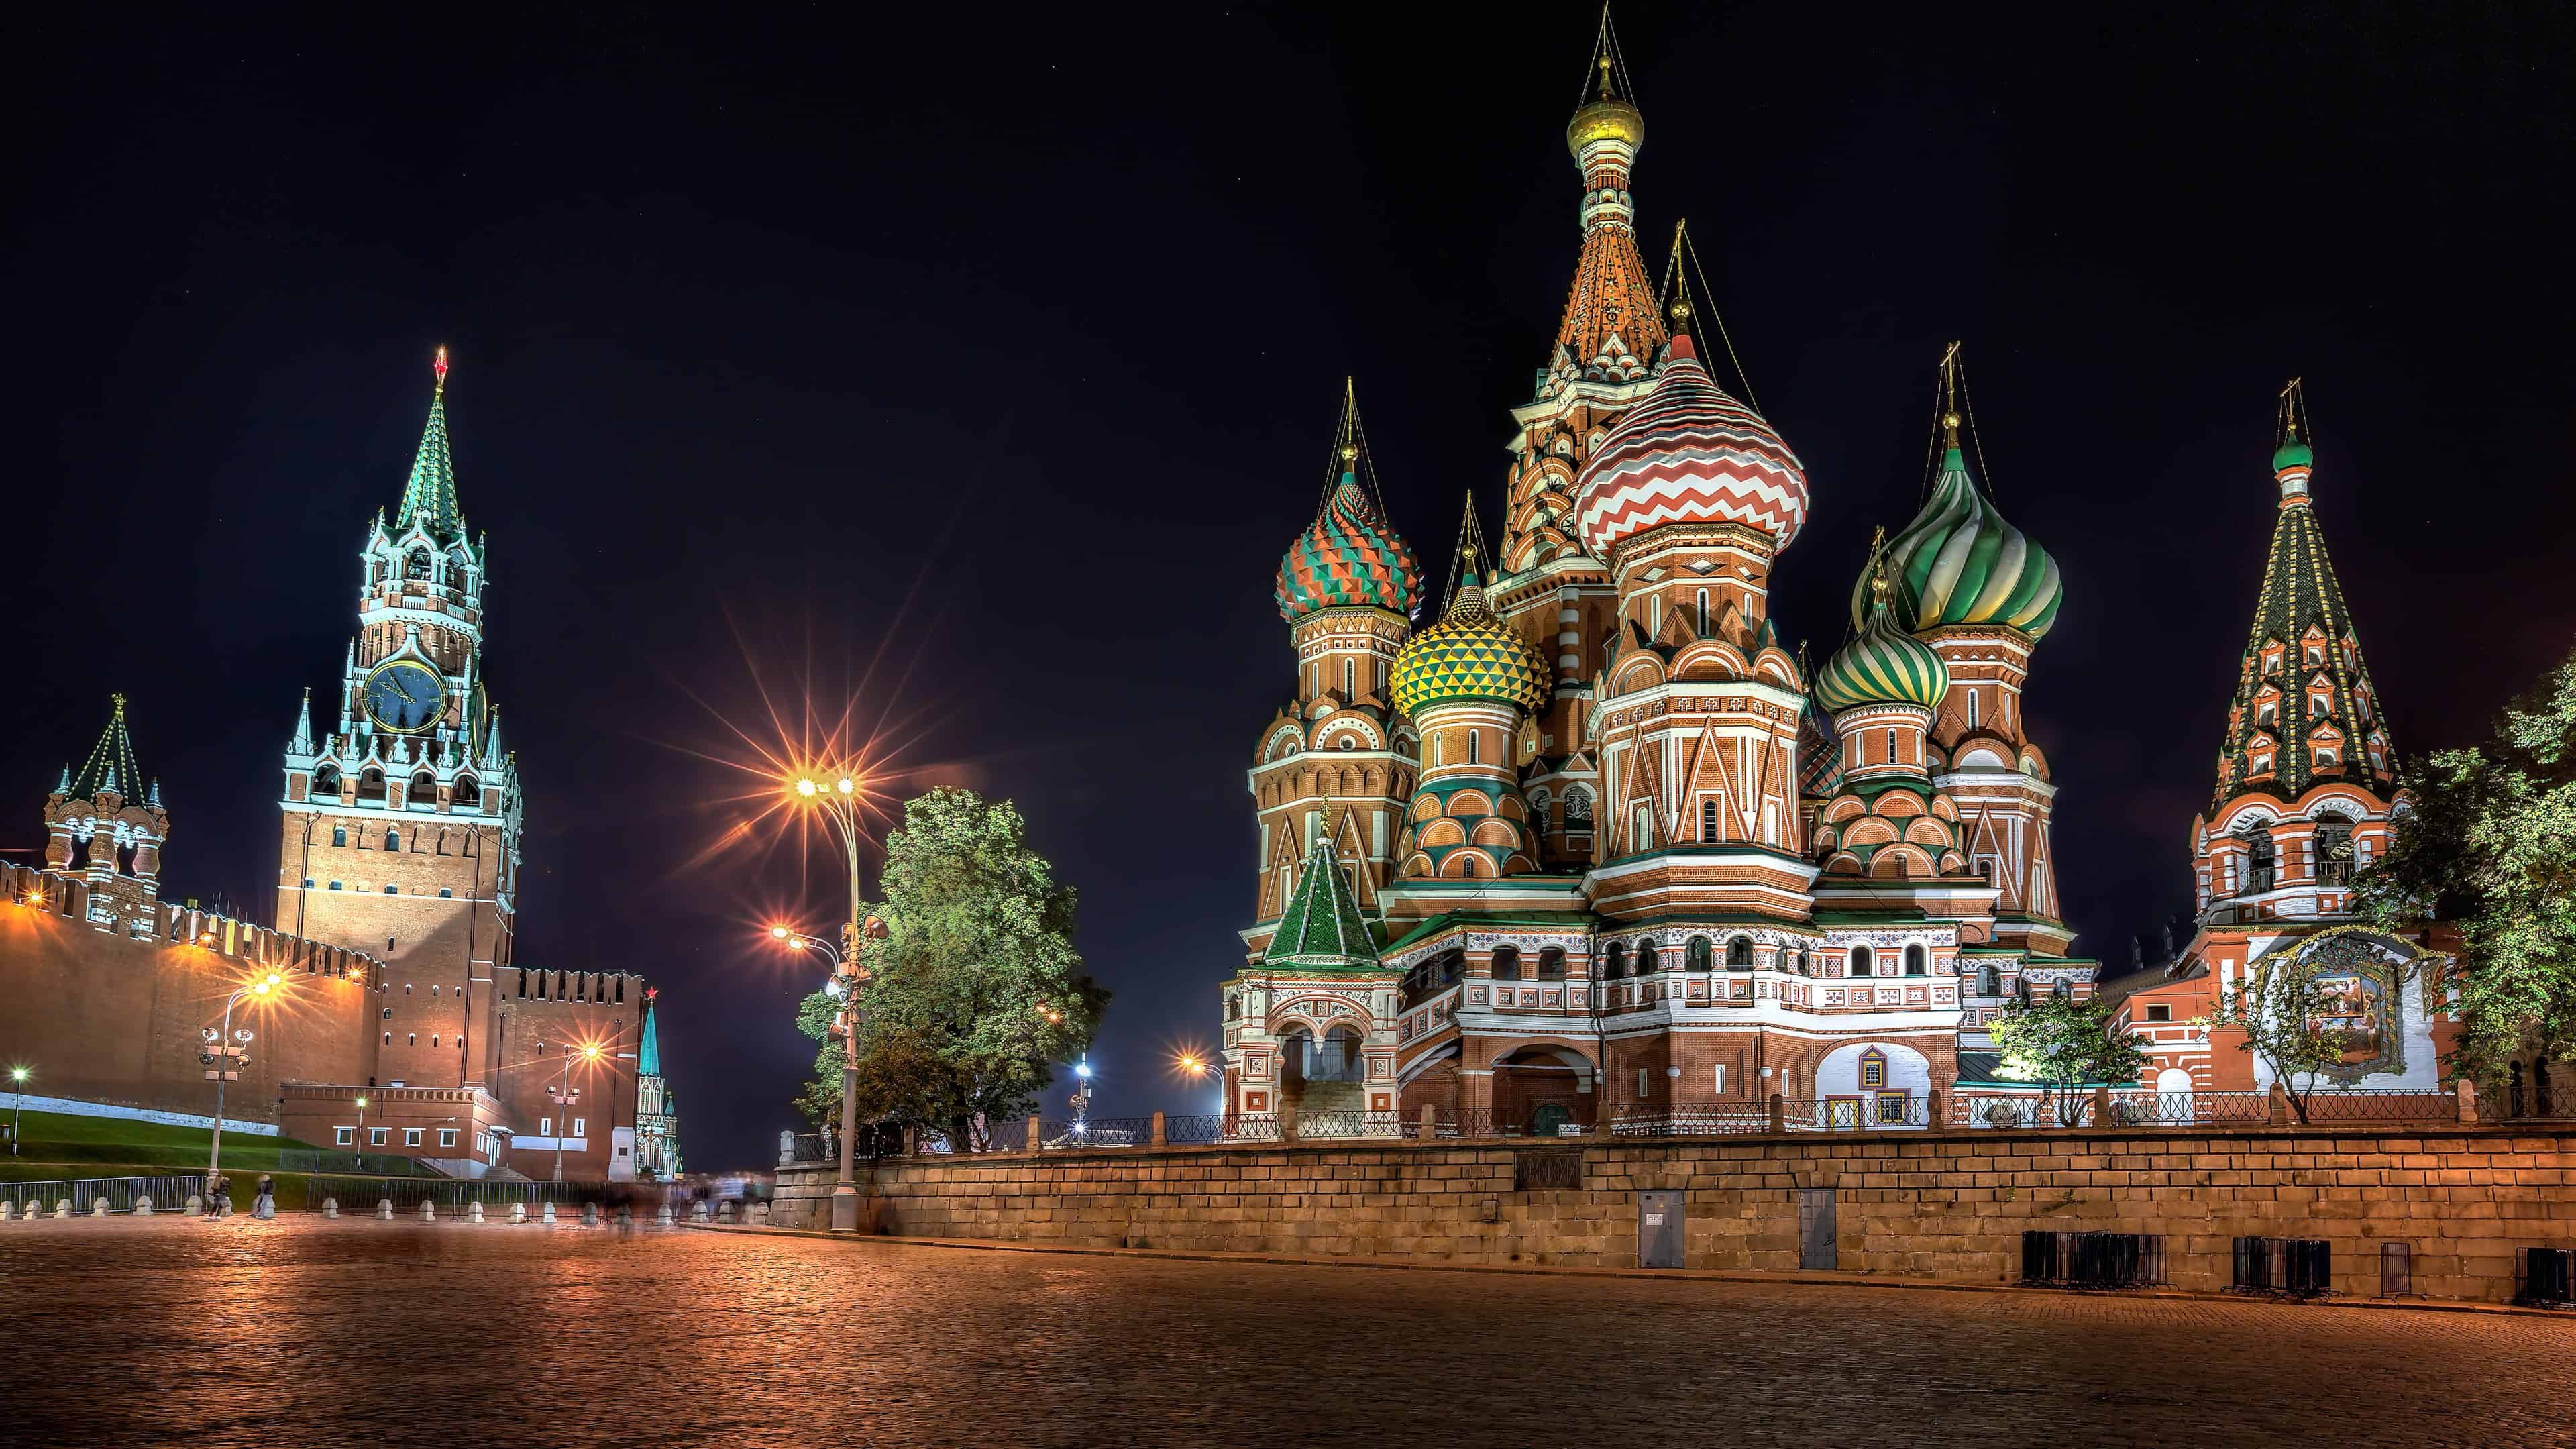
429, 498
648, 1055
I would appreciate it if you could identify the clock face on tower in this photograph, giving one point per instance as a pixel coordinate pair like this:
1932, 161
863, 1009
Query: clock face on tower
405, 696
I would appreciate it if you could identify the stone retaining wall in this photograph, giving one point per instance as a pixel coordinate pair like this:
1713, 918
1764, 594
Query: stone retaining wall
1948, 1206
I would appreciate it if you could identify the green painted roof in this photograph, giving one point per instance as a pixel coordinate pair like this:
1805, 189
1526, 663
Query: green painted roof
1322, 926
429, 498
110, 765
648, 1057
1959, 562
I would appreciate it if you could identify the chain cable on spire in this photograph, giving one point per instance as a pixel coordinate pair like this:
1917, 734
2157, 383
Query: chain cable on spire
1685, 249
1606, 68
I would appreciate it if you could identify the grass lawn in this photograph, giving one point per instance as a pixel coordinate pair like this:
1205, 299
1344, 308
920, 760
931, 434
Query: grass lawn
145, 1147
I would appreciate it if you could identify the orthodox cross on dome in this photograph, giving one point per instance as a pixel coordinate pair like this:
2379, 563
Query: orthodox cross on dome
1680, 268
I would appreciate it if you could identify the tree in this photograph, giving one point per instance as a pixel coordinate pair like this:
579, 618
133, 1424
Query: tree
2066, 1046
976, 986
2291, 1012
2487, 845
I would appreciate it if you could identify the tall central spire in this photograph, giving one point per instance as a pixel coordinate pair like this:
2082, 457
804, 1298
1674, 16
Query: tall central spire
1614, 294
429, 498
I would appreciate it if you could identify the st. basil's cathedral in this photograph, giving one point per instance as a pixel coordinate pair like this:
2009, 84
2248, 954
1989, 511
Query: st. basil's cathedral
1594, 846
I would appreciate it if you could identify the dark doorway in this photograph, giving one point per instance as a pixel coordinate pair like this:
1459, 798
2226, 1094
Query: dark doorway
1659, 1230
1816, 1228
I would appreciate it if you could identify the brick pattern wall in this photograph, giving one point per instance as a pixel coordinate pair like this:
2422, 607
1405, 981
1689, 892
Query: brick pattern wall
1947, 1206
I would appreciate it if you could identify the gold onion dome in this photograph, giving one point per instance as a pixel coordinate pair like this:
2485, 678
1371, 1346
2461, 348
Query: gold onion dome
1960, 563
1882, 665
1469, 654
1607, 117
1348, 558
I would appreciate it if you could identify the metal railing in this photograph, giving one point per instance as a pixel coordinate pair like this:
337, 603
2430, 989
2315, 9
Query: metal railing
1098, 1132
363, 1164
168, 1193
1689, 1119
2396, 1104
363, 1194
2187, 1109
1334, 1126
1197, 1129
1857, 1114
2096, 1261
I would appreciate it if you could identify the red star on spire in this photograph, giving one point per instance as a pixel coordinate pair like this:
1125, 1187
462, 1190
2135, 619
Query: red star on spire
440, 367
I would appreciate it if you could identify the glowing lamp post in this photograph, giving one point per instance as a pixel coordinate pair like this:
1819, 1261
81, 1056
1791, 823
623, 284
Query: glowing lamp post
358, 1148
227, 1052
836, 796
563, 1094
17, 1100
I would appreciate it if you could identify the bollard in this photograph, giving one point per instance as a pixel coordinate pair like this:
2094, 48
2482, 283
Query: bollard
590, 1215
724, 1212
98, 1208
625, 1217
1429, 1131
384, 1209
428, 1211
757, 1214
142, 1206
664, 1216
698, 1212
63, 1209
1162, 1134
550, 1212
518, 1212
330, 1207
474, 1214
196, 1206
4, 1210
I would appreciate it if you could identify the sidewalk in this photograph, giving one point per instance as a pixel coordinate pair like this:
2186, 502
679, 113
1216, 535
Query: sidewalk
1689, 1275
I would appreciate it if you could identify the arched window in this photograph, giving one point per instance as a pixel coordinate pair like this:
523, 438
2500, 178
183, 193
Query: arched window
2259, 859
2062, 991
1614, 961
1695, 954
1708, 822
326, 781
339, 835
1578, 809
2021, 990
1449, 967
1647, 963
1860, 960
1507, 963
393, 840
1703, 613
1475, 747
1990, 982
371, 784
469, 792
1918, 962
416, 564
2334, 851
1739, 954
1551, 964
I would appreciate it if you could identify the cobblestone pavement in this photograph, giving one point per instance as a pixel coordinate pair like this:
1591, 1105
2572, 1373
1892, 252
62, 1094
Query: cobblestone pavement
301, 1332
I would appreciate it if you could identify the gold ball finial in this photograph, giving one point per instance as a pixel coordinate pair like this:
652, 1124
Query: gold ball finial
1681, 309
1349, 452
1949, 420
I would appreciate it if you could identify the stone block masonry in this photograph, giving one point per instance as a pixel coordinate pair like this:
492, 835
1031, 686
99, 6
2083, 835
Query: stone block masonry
1949, 1206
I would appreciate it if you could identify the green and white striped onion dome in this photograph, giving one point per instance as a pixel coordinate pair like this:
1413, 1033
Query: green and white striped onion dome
1959, 562
1882, 665
1469, 654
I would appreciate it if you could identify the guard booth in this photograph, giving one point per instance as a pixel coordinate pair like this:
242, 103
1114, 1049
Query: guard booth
1659, 1229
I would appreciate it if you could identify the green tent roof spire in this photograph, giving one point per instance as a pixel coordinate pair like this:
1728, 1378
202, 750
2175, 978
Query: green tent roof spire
1322, 926
111, 762
648, 1056
429, 498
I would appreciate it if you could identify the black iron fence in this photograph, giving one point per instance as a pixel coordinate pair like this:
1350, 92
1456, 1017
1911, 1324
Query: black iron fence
1689, 1119
2283, 1267
2545, 1277
1881, 1112
2399, 1104
362, 1164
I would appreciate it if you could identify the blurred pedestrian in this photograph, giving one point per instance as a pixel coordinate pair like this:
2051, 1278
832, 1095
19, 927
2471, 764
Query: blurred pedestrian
264, 1206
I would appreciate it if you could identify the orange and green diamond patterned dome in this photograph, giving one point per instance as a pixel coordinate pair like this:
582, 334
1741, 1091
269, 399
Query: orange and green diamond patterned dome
1469, 654
1348, 559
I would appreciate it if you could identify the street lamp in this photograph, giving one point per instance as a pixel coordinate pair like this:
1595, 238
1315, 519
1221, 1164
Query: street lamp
358, 1149
227, 1052
836, 795
17, 1100
563, 1094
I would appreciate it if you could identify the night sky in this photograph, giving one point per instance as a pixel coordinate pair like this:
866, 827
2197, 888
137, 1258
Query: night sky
987, 368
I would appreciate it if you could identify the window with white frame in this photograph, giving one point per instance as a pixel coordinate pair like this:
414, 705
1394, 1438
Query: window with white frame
1717, 1078
411, 1137
375, 1137
344, 1136
446, 1136
1641, 1084
545, 1126
576, 1128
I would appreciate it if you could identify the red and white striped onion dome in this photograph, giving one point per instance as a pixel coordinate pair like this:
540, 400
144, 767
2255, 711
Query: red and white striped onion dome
1688, 453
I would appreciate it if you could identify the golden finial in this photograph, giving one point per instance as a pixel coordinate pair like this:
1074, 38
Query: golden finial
1605, 73
1350, 452
1681, 310
1878, 565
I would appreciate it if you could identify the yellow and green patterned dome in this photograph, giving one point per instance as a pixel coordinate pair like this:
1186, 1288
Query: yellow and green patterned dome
1882, 665
1469, 654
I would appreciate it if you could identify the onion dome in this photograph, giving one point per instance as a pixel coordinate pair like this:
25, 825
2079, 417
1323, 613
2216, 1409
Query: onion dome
1959, 562
1348, 559
2292, 462
1469, 654
1882, 665
1688, 453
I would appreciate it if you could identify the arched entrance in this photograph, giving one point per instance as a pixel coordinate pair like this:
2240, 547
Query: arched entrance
1539, 1089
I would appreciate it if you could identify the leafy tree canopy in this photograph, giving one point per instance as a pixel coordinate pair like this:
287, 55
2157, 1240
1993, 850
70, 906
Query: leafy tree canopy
976, 986
2488, 846
2067, 1046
